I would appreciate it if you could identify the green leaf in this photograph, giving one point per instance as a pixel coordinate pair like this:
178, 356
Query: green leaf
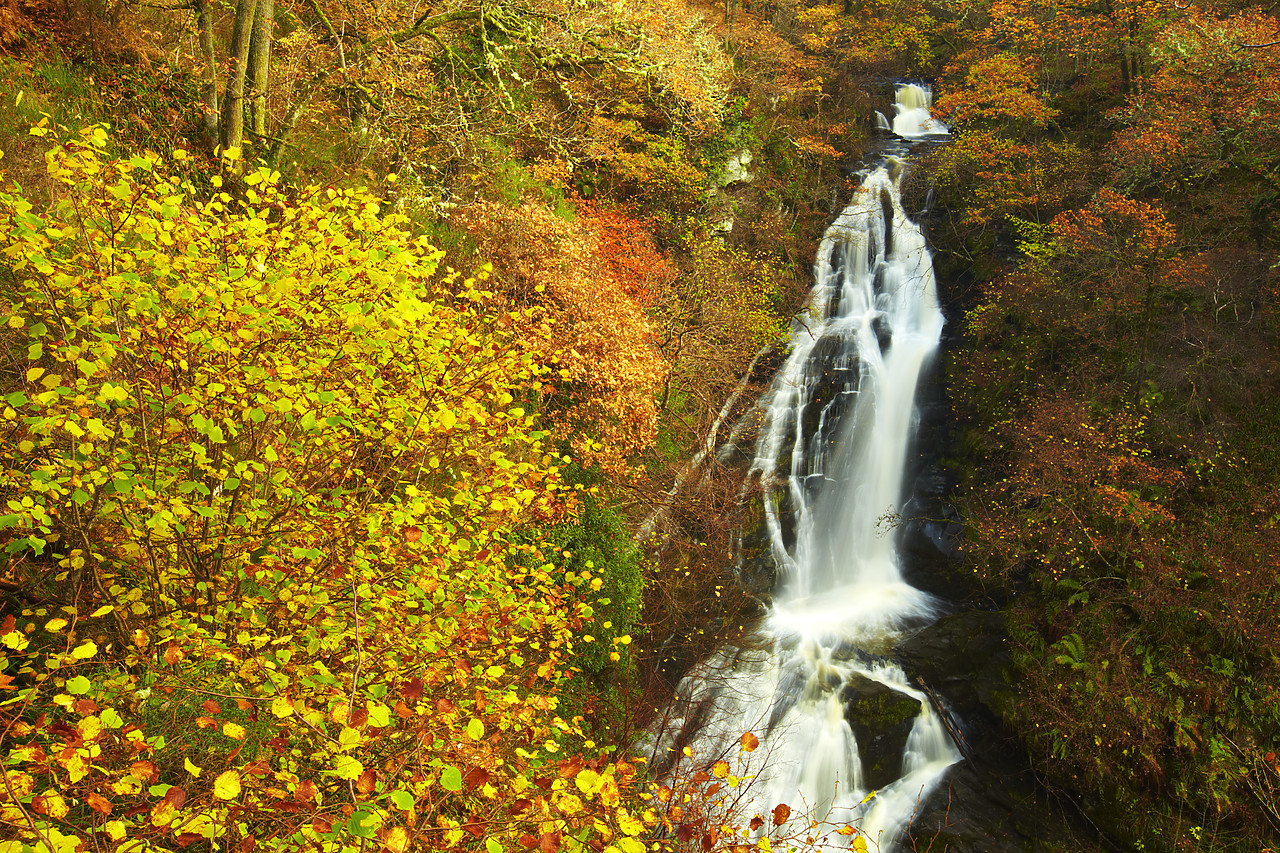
475, 729
346, 767
402, 800
451, 778
78, 685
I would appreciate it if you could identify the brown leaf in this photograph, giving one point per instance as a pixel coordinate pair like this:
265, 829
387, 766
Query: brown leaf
211, 707
99, 803
365, 784
476, 777
175, 795
781, 812
749, 742
145, 771
756, 823
528, 841
413, 690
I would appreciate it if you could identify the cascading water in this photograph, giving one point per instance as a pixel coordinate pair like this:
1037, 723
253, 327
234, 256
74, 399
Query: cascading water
912, 113
830, 460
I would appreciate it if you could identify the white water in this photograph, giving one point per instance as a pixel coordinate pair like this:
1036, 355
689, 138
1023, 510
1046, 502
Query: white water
830, 457
912, 117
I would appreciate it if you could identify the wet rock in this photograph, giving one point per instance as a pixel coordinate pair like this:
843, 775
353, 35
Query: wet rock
962, 657
881, 720
884, 335
829, 400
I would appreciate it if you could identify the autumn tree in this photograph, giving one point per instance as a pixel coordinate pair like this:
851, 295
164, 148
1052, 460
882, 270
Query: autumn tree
268, 575
1204, 129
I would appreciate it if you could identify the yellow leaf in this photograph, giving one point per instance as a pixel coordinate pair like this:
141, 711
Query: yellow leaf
85, 650
629, 823
588, 781
569, 804
191, 768
101, 611
764, 844
396, 840
90, 728
53, 804
720, 769
234, 731
227, 785
163, 814
21, 783
281, 707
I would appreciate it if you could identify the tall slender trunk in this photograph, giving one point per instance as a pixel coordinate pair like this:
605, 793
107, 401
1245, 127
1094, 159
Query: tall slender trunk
209, 74
259, 60
233, 101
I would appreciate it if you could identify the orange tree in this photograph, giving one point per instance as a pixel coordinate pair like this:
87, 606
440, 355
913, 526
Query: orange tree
268, 576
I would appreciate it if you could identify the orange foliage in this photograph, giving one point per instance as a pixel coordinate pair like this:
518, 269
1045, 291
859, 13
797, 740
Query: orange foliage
626, 248
586, 276
999, 88
1117, 231
1211, 105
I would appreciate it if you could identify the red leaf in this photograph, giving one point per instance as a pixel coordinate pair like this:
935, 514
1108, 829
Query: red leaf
211, 707
528, 841
413, 690
476, 777
684, 832
175, 795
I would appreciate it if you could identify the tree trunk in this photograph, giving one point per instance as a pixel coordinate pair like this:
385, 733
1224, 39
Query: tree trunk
209, 74
233, 101
259, 59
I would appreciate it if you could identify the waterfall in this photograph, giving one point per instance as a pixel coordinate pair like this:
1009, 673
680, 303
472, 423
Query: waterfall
829, 460
912, 117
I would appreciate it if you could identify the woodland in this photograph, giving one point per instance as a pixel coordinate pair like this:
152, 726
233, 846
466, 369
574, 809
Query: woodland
346, 347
